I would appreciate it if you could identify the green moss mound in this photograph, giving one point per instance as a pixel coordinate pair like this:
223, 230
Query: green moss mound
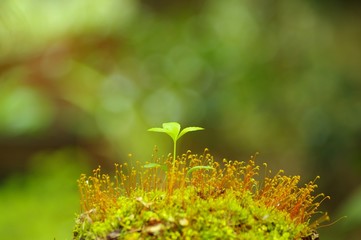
186, 215
224, 200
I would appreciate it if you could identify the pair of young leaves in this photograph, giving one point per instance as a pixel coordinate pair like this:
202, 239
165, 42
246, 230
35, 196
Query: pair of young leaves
173, 129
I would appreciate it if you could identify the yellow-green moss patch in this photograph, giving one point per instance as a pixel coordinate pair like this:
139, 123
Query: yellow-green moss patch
229, 200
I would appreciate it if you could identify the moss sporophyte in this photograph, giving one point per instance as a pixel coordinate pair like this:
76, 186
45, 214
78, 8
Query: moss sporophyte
198, 198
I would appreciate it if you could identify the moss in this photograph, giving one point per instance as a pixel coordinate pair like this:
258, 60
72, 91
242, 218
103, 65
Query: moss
187, 215
228, 202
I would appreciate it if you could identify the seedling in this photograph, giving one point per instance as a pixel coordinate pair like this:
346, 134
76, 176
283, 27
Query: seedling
173, 129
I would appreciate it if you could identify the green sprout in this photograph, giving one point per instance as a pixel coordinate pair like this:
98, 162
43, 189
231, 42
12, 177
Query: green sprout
173, 129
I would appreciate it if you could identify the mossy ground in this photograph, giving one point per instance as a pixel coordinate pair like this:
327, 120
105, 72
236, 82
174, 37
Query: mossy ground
186, 215
227, 202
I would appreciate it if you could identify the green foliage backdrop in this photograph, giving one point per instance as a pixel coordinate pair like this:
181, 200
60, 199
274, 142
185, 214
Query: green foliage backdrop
279, 77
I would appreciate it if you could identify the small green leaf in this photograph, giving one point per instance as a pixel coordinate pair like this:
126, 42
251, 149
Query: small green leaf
189, 129
152, 165
172, 129
156, 129
156, 165
196, 168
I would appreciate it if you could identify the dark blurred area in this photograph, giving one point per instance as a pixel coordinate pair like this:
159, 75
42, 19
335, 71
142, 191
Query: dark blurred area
81, 82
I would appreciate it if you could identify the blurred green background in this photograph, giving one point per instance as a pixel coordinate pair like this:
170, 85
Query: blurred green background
81, 81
